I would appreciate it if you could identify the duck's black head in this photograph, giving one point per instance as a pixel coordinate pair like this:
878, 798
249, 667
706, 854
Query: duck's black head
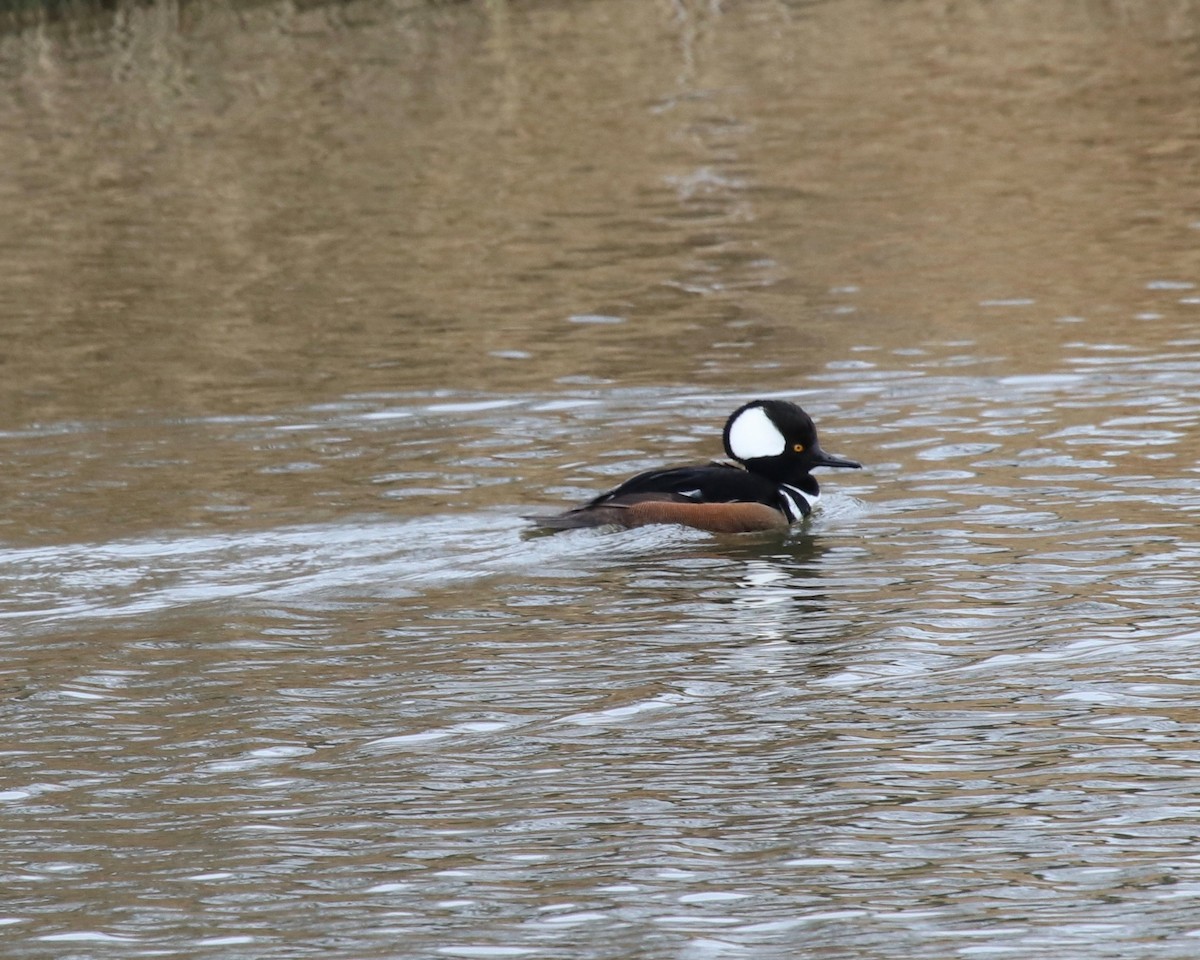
776, 439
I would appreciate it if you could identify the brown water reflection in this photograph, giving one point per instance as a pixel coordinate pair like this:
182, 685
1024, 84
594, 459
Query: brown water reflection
225, 210
304, 305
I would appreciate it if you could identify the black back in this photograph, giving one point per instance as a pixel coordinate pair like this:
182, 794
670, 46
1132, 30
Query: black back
710, 483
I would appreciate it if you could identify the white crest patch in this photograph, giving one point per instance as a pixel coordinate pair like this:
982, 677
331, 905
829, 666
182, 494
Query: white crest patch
753, 434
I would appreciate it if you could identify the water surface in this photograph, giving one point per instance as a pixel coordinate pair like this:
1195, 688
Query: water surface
307, 306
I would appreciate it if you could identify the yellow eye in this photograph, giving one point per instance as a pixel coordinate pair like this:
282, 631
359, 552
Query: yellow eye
798, 447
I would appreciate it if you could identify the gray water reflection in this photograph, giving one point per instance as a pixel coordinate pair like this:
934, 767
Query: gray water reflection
953, 712
307, 304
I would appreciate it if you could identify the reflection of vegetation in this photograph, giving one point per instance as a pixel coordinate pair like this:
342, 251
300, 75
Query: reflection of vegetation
19, 14
29, 11
56, 8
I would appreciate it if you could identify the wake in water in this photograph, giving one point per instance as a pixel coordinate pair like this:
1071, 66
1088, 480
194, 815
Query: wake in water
323, 563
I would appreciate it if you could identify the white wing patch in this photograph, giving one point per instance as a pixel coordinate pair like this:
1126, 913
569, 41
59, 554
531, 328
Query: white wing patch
753, 435
690, 494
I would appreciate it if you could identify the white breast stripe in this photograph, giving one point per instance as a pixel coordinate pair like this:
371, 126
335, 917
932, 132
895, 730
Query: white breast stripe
809, 499
790, 506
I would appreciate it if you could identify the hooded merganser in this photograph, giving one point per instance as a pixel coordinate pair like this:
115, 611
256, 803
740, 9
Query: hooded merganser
775, 443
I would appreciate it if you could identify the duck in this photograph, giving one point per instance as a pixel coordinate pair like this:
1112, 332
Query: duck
768, 486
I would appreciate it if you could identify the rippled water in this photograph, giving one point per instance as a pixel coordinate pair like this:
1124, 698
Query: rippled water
948, 717
286, 675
